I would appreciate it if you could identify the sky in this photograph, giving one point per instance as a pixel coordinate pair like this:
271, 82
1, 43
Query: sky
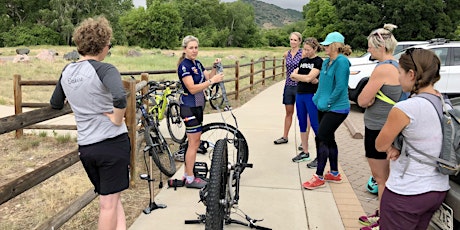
286, 4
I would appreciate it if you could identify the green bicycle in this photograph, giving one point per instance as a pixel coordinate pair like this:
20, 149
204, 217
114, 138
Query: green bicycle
164, 104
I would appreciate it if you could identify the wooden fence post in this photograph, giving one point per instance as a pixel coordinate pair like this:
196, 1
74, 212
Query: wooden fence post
263, 68
274, 67
282, 68
237, 79
130, 119
251, 77
17, 100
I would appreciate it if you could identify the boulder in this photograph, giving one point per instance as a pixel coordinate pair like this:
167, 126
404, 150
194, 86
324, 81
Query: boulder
72, 56
134, 53
22, 51
21, 58
46, 55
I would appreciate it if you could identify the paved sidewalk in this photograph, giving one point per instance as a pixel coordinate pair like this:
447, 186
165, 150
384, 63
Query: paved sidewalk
272, 189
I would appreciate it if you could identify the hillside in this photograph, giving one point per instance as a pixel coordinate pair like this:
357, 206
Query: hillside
270, 16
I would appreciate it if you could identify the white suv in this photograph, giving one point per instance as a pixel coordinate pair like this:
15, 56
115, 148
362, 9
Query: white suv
366, 58
362, 67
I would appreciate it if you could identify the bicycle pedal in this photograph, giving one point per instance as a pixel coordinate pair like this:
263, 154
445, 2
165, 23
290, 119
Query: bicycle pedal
200, 170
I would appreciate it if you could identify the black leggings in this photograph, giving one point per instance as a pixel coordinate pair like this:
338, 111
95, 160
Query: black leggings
329, 122
326, 147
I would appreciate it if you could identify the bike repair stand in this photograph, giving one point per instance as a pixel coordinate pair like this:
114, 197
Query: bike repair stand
251, 222
148, 177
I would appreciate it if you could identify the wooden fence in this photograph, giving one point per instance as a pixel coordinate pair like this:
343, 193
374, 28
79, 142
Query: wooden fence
44, 112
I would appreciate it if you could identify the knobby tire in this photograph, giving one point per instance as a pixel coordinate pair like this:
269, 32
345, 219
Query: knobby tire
238, 151
176, 126
160, 152
215, 209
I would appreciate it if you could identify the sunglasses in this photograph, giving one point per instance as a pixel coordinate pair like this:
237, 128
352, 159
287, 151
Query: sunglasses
409, 52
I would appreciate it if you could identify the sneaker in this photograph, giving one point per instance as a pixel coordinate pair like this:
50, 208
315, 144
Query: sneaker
314, 183
313, 164
331, 178
281, 140
196, 183
301, 157
300, 148
374, 226
369, 220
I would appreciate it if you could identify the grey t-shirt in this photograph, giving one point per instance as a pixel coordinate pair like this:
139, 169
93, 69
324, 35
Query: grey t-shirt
92, 88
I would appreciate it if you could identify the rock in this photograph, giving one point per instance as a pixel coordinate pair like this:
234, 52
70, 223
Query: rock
22, 51
134, 53
46, 55
21, 58
72, 56
232, 57
170, 54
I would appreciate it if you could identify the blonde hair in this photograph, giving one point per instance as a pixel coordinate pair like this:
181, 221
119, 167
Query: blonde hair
383, 37
187, 39
92, 36
298, 35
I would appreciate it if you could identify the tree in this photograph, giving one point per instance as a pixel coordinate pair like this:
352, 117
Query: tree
239, 20
321, 19
357, 20
157, 27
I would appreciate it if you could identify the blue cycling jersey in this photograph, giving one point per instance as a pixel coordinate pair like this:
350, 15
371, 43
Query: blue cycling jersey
195, 69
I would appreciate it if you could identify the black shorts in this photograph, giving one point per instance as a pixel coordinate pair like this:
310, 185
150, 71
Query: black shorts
289, 94
193, 118
369, 145
107, 164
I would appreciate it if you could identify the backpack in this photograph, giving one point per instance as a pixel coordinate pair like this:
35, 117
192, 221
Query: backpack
448, 162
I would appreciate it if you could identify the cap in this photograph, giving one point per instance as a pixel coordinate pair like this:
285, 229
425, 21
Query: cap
333, 37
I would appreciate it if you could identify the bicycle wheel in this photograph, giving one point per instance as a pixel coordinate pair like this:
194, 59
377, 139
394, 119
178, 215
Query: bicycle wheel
215, 208
217, 100
176, 126
238, 150
160, 152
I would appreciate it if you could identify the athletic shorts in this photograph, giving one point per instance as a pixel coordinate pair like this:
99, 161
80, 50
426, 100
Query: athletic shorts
107, 164
193, 118
369, 145
289, 95
408, 211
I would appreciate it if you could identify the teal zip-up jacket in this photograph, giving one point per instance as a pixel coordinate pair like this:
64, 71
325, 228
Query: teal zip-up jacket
332, 93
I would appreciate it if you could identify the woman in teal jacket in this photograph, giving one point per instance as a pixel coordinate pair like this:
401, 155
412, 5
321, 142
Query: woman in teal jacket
333, 105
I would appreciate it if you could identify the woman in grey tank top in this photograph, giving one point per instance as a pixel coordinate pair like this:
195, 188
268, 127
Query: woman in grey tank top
384, 78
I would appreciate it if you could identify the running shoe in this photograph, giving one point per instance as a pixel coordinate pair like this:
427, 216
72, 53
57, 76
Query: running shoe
314, 183
281, 140
313, 164
196, 183
374, 226
301, 157
331, 178
370, 219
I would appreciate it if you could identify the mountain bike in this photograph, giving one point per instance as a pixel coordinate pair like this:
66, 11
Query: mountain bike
229, 158
164, 103
155, 143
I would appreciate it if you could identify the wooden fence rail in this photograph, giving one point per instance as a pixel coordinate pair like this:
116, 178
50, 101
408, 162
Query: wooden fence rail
44, 112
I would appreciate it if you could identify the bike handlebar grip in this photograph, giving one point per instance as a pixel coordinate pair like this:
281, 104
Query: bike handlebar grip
140, 85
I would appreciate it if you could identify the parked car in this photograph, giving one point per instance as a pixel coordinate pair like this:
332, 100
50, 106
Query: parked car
448, 52
367, 59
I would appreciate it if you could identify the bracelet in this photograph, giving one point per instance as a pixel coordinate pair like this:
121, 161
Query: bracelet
210, 82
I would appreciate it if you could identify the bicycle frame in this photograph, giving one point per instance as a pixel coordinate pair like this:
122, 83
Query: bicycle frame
161, 103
